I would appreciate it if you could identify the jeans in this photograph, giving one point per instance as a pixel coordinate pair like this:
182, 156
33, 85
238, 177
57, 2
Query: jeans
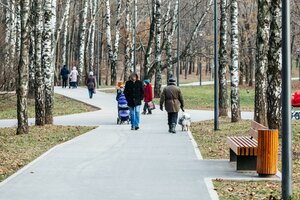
172, 118
74, 84
91, 92
64, 82
135, 116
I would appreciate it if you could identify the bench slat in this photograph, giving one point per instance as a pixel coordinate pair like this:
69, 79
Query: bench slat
243, 145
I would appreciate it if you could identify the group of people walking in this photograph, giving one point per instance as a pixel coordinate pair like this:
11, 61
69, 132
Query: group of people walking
71, 76
136, 91
171, 98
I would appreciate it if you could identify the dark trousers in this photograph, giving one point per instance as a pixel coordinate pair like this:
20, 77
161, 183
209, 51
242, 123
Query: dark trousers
91, 92
172, 118
146, 108
64, 82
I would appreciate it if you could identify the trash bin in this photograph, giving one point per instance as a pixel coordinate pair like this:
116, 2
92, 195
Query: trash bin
267, 152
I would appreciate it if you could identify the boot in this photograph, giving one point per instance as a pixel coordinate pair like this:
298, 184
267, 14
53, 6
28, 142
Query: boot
170, 127
173, 127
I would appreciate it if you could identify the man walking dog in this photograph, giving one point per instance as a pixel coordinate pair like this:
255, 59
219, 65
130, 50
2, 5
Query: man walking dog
172, 98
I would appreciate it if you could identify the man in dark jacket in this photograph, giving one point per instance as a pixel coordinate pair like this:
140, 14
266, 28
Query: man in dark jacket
134, 93
64, 72
172, 98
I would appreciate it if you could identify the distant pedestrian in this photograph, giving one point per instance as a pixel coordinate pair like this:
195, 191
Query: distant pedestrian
134, 93
90, 82
172, 99
74, 77
64, 72
148, 96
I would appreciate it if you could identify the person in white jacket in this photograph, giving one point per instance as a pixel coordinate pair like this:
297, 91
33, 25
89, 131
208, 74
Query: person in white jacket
74, 77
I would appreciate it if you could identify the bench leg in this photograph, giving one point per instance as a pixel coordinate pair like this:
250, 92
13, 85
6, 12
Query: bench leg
246, 163
232, 156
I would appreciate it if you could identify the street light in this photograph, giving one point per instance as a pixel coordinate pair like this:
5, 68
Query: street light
286, 103
216, 81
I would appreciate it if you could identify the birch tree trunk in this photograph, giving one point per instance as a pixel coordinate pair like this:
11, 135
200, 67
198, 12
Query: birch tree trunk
7, 60
157, 85
114, 64
274, 67
235, 97
223, 62
108, 33
262, 40
47, 61
147, 61
93, 6
18, 29
128, 41
82, 38
169, 36
22, 86
65, 33
39, 78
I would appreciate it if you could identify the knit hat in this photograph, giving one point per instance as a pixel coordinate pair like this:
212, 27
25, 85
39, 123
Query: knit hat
146, 81
91, 73
172, 80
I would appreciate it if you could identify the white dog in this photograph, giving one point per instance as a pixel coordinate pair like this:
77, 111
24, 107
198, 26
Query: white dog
185, 121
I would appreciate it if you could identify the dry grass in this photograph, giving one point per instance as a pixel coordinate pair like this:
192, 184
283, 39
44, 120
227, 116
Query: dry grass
18, 150
213, 146
62, 106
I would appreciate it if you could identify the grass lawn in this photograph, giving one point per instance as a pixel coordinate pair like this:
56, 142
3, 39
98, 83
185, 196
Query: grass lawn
196, 97
18, 150
62, 106
212, 145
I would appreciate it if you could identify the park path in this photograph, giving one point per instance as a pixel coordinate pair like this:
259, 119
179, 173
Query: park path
112, 162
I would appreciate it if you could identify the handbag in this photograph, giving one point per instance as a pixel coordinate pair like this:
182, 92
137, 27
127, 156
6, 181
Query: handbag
151, 105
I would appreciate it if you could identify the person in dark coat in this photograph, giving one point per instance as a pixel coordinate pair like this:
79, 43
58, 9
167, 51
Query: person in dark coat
134, 93
64, 72
90, 82
148, 96
171, 98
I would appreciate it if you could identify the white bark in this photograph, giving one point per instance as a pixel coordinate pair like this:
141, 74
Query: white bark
82, 39
262, 40
223, 62
22, 86
39, 78
235, 98
128, 40
47, 60
158, 79
65, 32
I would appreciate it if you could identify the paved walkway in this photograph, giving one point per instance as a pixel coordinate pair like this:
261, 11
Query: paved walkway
114, 163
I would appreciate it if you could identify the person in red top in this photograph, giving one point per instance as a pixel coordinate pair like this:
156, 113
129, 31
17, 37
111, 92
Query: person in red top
148, 96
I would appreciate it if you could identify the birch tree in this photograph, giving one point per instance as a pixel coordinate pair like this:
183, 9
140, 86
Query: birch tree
65, 32
93, 7
22, 86
158, 79
223, 62
274, 67
113, 50
128, 40
39, 78
235, 97
262, 40
47, 60
82, 38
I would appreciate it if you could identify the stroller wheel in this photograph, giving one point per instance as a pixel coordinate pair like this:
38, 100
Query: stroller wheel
297, 115
118, 121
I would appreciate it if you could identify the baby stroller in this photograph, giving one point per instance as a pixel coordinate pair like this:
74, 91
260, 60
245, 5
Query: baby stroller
123, 110
296, 103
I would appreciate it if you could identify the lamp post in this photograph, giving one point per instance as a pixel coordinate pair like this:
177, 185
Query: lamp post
178, 44
286, 103
216, 81
134, 35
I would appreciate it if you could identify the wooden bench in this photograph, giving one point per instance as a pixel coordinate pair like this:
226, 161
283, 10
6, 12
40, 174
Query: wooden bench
243, 149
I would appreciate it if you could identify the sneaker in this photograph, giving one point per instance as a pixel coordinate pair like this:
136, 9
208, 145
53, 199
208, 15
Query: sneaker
137, 128
144, 113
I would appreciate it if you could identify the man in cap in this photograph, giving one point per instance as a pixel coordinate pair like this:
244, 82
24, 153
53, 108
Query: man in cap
171, 98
